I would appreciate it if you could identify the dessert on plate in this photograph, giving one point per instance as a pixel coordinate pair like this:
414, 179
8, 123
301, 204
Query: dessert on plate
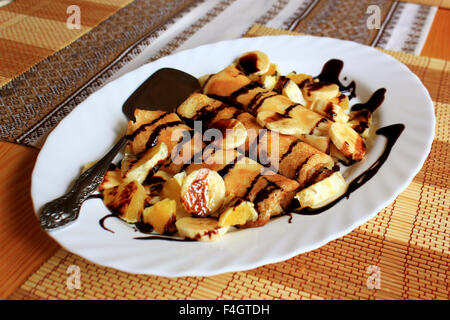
253, 145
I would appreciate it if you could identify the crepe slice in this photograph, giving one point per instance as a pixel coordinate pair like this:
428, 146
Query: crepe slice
155, 127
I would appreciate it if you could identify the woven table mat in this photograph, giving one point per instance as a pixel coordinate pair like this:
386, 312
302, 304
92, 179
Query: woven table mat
407, 242
32, 104
32, 30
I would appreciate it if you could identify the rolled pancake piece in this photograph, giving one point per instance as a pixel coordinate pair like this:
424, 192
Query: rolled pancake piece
153, 127
284, 154
220, 84
246, 179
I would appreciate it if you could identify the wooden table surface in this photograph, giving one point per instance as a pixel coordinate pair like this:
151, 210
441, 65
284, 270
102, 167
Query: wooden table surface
25, 246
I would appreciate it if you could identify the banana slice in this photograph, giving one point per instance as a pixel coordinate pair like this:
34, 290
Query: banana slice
238, 214
137, 167
126, 200
233, 133
347, 141
269, 79
201, 229
202, 192
319, 90
291, 90
330, 110
268, 82
274, 70
341, 100
161, 216
300, 79
323, 192
172, 190
253, 62
277, 122
361, 122
111, 179
321, 143
339, 156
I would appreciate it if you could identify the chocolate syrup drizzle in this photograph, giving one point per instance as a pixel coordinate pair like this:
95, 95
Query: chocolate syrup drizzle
144, 228
95, 196
373, 103
163, 237
225, 170
392, 133
330, 74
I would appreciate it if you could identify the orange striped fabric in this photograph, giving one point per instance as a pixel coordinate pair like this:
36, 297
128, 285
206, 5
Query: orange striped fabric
32, 30
439, 3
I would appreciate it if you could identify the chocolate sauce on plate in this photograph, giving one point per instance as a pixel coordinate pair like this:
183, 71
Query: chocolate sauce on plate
102, 221
144, 228
248, 63
330, 74
95, 196
373, 103
163, 237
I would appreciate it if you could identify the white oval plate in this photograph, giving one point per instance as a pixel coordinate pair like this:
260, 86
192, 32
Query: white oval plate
93, 127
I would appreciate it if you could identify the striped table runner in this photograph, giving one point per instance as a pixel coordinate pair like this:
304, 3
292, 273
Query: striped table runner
406, 244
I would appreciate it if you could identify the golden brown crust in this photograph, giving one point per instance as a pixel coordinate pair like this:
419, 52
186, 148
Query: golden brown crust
360, 150
226, 82
169, 126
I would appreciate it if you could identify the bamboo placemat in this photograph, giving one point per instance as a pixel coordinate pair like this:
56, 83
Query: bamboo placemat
407, 242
